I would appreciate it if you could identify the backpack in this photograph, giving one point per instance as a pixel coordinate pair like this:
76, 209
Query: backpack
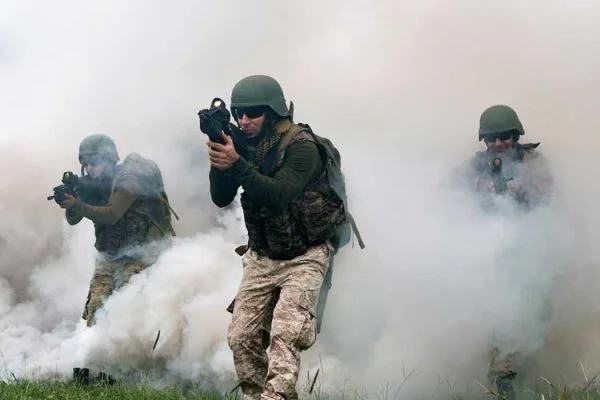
335, 179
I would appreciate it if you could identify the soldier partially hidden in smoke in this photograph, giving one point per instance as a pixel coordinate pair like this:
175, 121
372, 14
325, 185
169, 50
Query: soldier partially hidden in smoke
508, 167
527, 175
130, 212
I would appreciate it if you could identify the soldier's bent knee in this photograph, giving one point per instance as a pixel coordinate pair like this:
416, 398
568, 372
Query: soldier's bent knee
298, 325
239, 338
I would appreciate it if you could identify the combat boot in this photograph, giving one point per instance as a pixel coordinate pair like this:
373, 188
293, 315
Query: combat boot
505, 389
104, 378
81, 376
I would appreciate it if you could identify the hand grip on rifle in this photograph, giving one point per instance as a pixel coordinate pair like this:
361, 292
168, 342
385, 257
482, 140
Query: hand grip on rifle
498, 178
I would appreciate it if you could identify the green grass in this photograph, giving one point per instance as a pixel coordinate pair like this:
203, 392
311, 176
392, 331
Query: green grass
71, 391
53, 390
543, 390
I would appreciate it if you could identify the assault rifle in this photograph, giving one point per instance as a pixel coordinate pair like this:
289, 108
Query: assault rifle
500, 181
72, 185
215, 120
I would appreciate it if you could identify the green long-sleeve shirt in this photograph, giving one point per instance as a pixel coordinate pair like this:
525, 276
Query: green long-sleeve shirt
302, 162
109, 214
126, 192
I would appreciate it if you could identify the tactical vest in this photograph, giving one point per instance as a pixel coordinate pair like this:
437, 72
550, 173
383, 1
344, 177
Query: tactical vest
149, 217
309, 220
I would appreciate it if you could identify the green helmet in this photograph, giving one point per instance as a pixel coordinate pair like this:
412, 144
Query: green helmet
98, 146
498, 119
259, 90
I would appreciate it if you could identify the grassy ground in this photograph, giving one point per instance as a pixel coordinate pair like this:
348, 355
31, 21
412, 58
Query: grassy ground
71, 391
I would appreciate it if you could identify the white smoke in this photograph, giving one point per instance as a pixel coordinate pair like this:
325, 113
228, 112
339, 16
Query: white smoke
398, 86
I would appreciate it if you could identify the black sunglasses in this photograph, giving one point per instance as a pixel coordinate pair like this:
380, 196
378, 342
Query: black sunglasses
91, 160
492, 137
251, 112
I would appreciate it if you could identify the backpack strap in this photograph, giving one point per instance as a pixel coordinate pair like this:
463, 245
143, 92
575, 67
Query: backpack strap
361, 244
288, 137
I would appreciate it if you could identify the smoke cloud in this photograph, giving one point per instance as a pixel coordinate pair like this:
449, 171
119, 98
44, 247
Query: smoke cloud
399, 87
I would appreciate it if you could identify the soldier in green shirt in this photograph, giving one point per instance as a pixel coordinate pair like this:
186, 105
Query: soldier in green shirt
290, 214
129, 210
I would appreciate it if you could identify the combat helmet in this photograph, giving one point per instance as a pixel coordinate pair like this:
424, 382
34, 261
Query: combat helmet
498, 119
259, 90
98, 146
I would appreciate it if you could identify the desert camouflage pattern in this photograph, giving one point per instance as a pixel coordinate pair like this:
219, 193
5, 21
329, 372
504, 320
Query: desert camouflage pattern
311, 218
274, 320
502, 363
149, 217
135, 241
108, 277
502, 371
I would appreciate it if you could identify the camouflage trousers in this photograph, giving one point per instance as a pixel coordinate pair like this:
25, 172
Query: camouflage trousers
514, 352
108, 277
274, 319
502, 364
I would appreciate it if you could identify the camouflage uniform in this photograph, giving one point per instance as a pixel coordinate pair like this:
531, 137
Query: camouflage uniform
286, 291
290, 214
108, 277
130, 220
524, 165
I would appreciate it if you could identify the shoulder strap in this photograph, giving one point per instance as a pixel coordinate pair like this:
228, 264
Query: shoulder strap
287, 138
